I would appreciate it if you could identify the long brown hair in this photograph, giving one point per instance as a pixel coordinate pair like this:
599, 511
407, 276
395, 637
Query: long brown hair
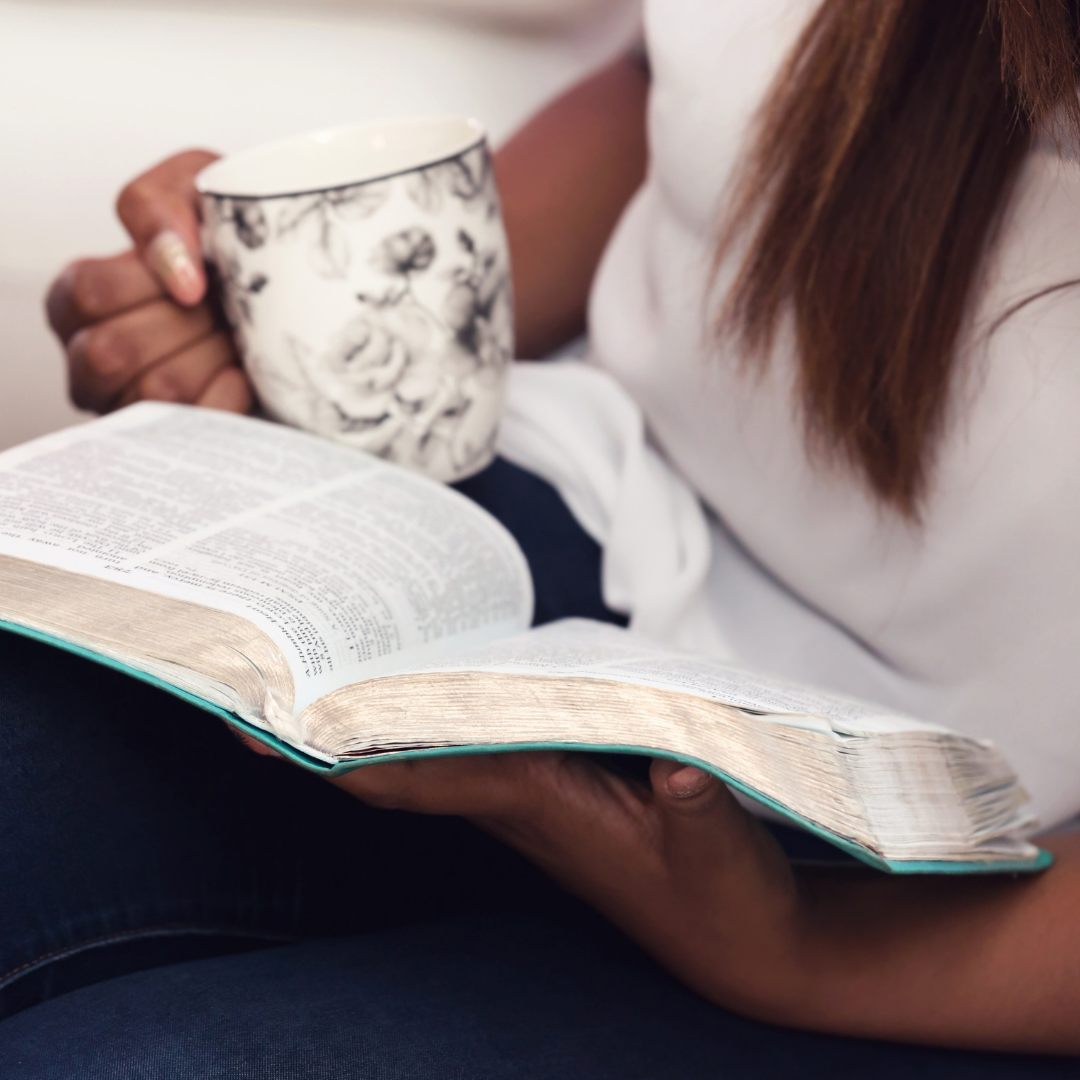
884, 157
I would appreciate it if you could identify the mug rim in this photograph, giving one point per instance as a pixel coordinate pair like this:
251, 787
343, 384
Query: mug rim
204, 178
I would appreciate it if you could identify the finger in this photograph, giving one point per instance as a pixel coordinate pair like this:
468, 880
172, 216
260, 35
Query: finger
389, 786
254, 745
229, 391
431, 786
104, 358
185, 376
91, 290
708, 836
683, 789
470, 785
685, 783
699, 814
160, 210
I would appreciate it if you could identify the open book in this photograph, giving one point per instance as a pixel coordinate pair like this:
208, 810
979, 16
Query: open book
347, 611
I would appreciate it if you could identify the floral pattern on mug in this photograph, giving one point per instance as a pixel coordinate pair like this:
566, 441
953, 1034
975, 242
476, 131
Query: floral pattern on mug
402, 351
323, 218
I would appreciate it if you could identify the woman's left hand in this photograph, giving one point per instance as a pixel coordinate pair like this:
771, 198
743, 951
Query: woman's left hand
680, 867
978, 961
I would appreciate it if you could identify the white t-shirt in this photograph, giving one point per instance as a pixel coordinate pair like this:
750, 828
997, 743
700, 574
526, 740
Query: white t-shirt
973, 618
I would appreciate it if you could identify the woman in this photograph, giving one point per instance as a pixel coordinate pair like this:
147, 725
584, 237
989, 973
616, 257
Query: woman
844, 324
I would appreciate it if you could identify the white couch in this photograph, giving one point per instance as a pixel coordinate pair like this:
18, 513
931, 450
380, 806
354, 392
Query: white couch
93, 91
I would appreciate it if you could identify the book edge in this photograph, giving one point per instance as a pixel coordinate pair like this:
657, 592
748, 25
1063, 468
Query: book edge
1038, 863
1042, 861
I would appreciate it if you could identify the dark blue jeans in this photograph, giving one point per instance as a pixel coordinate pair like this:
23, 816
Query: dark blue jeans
172, 905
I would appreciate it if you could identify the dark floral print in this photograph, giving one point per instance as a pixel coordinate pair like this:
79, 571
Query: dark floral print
238, 290
252, 228
321, 217
415, 371
410, 251
478, 307
467, 179
247, 220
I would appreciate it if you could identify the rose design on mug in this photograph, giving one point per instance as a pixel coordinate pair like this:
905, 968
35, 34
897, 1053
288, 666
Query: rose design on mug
479, 308
362, 370
385, 372
389, 391
405, 253
238, 291
371, 353
377, 313
467, 179
252, 228
245, 218
323, 215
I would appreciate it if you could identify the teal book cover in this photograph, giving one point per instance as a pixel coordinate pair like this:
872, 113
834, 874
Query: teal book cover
291, 753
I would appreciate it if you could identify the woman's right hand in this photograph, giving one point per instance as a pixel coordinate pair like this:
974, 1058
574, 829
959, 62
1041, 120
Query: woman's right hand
138, 325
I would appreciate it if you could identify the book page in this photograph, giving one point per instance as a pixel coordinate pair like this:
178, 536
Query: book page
353, 566
580, 648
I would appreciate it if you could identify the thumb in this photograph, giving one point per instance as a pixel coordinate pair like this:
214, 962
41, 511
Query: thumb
691, 796
160, 210
705, 830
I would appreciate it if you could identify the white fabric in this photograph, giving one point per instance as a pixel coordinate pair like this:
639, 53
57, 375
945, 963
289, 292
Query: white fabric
971, 619
576, 427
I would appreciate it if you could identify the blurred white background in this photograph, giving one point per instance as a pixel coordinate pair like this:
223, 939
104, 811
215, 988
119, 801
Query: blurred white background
94, 92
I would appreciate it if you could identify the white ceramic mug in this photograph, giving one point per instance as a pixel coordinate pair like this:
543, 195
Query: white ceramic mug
366, 276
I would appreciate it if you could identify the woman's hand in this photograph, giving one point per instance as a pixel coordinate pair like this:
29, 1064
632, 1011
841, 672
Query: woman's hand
138, 325
660, 862
980, 962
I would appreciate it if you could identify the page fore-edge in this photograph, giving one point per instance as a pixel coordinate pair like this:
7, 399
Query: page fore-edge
1041, 862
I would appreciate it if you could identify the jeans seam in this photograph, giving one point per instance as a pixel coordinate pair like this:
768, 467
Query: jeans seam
168, 930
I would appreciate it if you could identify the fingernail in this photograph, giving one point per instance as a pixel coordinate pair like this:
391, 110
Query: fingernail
688, 782
173, 263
